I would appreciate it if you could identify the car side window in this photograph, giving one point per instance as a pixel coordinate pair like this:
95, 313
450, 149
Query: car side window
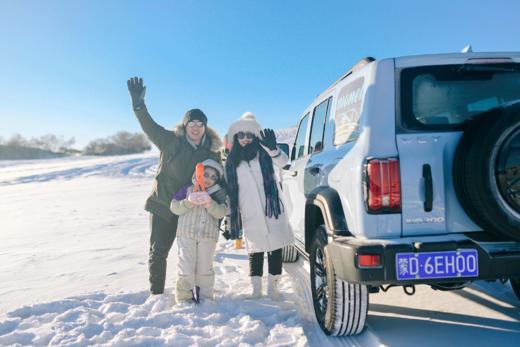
348, 111
299, 144
318, 126
328, 136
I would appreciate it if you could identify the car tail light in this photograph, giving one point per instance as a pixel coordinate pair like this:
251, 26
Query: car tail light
383, 185
369, 260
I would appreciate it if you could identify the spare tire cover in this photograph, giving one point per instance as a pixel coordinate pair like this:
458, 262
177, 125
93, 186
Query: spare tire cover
486, 171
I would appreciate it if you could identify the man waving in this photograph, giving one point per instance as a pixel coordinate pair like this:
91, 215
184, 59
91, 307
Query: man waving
180, 150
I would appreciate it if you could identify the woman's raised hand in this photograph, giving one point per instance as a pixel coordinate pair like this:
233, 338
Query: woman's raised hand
268, 138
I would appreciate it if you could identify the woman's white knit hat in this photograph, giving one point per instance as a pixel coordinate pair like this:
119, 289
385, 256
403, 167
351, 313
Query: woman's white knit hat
246, 123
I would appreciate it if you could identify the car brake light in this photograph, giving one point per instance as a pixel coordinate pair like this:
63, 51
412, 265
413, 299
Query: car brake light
489, 61
383, 185
369, 260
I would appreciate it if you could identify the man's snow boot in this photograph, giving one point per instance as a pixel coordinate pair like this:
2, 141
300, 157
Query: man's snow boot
256, 283
272, 287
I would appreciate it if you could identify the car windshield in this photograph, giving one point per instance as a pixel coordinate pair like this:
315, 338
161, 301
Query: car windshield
449, 95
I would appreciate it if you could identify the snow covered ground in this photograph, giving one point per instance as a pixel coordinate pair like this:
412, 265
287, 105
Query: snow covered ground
73, 256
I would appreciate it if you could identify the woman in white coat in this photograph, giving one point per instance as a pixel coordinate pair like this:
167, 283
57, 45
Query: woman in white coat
255, 202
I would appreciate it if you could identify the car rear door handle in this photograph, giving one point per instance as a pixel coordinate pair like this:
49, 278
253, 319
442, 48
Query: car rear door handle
294, 173
428, 187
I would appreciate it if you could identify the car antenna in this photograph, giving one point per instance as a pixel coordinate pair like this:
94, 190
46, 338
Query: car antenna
467, 49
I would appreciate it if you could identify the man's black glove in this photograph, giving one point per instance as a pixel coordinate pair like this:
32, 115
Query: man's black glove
268, 138
137, 91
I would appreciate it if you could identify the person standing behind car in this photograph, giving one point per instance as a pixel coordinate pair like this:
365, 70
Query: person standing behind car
255, 202
180, 150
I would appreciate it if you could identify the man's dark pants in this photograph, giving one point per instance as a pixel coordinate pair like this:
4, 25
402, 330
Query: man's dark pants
161, 241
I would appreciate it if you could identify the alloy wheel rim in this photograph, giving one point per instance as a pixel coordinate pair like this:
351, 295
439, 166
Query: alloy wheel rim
508, 170
320, 280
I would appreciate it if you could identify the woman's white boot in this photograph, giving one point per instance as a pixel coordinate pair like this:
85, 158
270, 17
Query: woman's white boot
256, 283
272, 287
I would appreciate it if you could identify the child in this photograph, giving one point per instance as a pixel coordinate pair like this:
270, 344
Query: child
197, 233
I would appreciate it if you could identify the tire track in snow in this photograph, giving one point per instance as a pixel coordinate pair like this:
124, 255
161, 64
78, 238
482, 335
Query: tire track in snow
142, 166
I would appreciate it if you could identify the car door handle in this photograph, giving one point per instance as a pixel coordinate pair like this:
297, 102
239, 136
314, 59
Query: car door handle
314, 170
294, 173
428, 187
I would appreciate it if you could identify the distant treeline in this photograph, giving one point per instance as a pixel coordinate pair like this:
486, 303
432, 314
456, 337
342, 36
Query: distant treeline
51, 146
121, 143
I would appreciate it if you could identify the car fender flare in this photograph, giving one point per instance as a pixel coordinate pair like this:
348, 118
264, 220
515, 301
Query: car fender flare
329, 203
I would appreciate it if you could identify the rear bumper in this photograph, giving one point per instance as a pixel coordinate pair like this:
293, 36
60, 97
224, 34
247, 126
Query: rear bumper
496, 259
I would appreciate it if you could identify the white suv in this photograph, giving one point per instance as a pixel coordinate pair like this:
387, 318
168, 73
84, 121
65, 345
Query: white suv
406, 171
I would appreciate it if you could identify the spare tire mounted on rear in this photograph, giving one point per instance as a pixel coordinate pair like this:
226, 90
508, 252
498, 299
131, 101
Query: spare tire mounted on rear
486, 171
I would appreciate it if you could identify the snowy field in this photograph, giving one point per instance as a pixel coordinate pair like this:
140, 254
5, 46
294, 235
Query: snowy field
73, 256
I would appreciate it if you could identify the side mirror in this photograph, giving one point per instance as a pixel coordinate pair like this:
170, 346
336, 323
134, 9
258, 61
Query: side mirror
284, 147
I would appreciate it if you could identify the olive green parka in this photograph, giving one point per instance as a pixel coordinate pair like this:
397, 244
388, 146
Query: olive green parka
177, 160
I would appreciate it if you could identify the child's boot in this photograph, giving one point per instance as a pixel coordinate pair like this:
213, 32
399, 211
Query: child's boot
195, 292
184, 288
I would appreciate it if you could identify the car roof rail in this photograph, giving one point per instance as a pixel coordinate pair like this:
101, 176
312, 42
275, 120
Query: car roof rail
356, 67
363, 62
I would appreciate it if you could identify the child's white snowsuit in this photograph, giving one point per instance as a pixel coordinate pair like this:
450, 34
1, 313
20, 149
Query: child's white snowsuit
197, 235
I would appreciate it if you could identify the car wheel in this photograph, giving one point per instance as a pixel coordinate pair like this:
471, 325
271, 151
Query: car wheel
340, 307
289, 254
486, 171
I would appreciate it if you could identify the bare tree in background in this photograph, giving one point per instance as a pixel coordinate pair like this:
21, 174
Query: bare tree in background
121, 143
51, 142
17, 140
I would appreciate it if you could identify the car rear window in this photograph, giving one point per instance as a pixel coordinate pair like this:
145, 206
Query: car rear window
445, 96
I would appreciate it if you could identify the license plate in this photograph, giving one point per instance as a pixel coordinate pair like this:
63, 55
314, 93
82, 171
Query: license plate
449, 264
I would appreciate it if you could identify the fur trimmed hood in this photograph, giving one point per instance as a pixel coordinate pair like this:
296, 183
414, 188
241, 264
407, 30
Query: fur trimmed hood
216, 142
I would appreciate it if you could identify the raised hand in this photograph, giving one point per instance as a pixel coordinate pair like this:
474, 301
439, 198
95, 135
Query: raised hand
137, 91
268, 138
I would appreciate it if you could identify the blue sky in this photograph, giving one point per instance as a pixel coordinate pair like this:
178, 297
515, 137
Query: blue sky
64, 64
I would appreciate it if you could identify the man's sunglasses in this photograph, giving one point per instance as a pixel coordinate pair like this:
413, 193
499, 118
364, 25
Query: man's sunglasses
241, 135
195, 124
214, 178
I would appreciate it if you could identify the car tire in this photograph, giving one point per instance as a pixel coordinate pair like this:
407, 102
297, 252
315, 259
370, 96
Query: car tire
289, 254
515, 284
486, 175
340, 307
